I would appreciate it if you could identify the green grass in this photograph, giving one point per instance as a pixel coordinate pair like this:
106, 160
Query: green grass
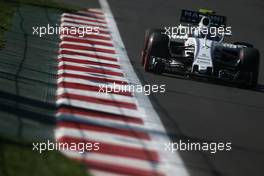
8, 8
18, 159
7, 11
48, 4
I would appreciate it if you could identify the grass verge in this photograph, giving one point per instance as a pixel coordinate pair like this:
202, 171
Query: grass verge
8, 8
17, 158
7, 11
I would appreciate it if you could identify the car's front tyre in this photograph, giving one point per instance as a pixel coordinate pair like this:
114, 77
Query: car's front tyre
157, 47
249, 65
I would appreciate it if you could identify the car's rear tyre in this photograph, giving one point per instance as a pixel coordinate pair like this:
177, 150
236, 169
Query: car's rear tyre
146, 40
249, 65
157, 47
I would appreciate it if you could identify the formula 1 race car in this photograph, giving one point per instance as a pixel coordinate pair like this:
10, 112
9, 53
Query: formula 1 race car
200, 53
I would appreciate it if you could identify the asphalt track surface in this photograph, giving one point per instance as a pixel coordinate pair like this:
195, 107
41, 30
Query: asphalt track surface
197, 110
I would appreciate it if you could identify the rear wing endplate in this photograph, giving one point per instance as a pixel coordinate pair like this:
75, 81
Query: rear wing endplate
194, 17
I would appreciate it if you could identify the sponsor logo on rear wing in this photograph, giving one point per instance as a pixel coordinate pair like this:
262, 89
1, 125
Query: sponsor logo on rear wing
194, 17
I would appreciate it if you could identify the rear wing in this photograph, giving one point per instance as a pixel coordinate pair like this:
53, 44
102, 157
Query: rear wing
194, 17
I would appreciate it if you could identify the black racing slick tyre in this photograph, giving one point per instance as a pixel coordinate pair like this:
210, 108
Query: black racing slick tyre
249, 63
158, 67
146, 40
158, 48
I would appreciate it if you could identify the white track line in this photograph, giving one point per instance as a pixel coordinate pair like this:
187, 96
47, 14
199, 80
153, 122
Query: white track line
86, 44
86, 82
82, 17
87, 58
106, 68
93, 75
96, 94
82, 81
100, 107
93, 13
88, 24
173, 162
107, 138
102, 173
85, 39
99, 120
82, 21
90, 52
91, 26
121, 161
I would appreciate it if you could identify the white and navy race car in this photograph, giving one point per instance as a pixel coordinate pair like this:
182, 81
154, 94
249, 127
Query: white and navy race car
199, 54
